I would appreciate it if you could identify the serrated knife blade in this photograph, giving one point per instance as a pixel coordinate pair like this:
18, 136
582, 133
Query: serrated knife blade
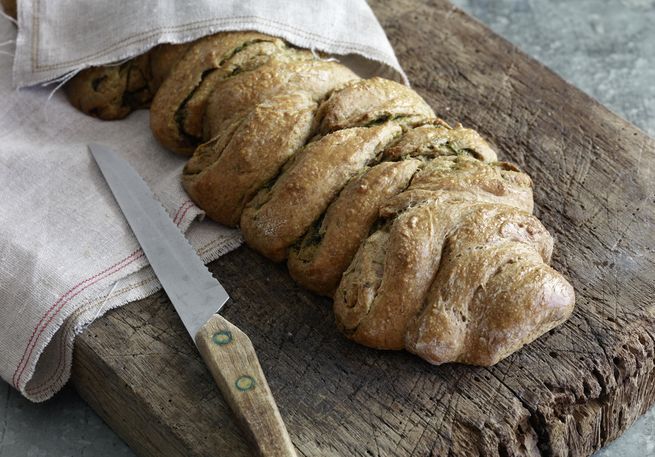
194, 292
197, 296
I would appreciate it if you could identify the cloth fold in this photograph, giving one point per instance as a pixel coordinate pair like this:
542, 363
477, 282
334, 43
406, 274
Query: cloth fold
49, 45
67, 255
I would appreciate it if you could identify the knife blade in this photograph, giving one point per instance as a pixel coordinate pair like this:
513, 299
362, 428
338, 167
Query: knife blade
197, 296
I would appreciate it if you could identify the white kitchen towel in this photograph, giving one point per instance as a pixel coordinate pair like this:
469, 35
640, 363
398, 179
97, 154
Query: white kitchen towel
66, 253
58, 38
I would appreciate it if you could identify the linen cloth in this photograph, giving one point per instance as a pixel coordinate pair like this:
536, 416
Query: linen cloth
49, 43
67, 255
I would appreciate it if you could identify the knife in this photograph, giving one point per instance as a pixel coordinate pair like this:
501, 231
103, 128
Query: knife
197, 297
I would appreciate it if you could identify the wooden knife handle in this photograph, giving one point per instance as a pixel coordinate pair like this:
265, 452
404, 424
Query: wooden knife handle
231, 358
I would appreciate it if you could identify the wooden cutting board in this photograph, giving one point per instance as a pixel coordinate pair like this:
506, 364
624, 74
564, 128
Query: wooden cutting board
575, 389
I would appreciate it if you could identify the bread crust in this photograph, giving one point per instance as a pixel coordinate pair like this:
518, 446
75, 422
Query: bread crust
277, 217
440, 194
225, 173
366, 101
113, 92
163, 59
178, 108
281, 74
494, 291
327, 249
462, 177
377, 316
436, 138
435, 285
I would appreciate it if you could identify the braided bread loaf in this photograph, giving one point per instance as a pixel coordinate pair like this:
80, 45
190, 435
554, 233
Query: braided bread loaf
424, 240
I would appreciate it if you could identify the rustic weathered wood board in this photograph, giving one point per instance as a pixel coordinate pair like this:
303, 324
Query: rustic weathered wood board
568, 393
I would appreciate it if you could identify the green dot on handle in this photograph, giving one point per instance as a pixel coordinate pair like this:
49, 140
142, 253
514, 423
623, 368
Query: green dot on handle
245, 383
223, 337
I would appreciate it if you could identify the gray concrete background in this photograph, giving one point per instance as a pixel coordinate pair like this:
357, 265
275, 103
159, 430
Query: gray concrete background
604, 47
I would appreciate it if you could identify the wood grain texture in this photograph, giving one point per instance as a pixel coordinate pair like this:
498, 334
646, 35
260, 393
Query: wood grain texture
232, 361
566, 394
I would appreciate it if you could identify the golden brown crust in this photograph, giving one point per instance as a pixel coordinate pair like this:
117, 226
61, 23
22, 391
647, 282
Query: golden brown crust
281, 74
327, 250
163, 59
376, 311
448, 251
277, 217
437, 138
112, 92
178, 108
462, 177
366, 101
440, 194
493, 292
226, 172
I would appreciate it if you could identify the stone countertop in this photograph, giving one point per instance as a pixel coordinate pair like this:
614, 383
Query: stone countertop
604, 47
